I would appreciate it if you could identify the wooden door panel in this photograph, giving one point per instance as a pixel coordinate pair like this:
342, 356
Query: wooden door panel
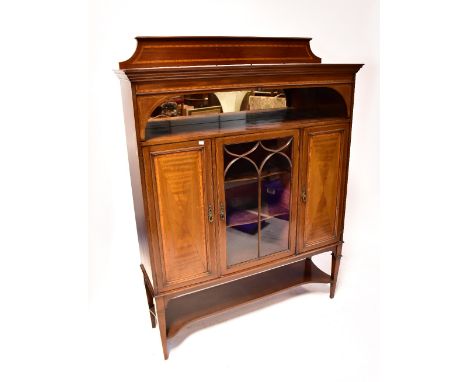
182, 195
322, 184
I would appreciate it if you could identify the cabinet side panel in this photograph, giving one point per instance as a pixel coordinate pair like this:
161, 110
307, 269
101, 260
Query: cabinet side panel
181, 205
323, 178
135, 176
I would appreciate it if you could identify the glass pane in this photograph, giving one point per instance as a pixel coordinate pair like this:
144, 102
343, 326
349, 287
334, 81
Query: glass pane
278, 145
276, 191
241, 192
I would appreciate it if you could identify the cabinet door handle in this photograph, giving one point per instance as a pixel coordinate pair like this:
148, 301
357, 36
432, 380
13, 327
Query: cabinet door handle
304, 196
210, 213
221, 211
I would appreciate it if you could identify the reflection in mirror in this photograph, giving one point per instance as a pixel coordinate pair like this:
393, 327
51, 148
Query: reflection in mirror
242, 109
232, 101
220, 102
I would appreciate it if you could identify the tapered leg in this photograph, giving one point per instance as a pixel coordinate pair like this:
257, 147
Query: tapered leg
150, 298
161, 312
336, 258
307, 268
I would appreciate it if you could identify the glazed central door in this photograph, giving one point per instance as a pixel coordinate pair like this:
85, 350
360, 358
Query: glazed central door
180, 198
256, 176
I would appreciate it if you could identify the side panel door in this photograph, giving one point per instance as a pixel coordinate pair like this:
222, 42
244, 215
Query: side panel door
323, 168
180, 200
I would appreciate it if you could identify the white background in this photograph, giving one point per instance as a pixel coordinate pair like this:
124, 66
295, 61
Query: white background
279, 337
398, 314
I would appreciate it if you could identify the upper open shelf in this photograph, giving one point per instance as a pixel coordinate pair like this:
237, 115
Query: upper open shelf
192, 87
243, 109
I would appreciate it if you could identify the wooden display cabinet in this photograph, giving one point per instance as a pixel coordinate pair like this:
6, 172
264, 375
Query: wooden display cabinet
238, 150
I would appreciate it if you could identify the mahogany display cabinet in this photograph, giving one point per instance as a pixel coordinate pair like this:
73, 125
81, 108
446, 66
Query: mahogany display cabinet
238, 150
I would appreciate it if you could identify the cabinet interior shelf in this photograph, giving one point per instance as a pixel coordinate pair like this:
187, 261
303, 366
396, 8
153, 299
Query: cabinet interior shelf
191, 307
244, 120
239, 218
253, 176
